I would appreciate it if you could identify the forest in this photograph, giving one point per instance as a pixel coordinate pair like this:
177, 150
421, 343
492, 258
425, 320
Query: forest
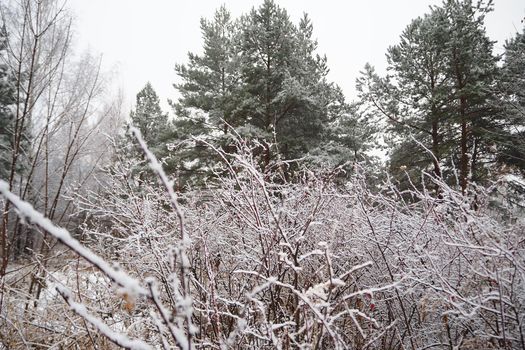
265, 210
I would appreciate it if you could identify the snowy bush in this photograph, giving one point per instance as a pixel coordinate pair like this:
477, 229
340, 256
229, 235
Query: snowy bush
261, 262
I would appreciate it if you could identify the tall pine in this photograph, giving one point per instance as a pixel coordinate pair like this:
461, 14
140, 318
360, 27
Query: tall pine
210, 80
205, 112
439, 95
7, 119
511, 85
472, 67
289, 100
260, 77
421, 92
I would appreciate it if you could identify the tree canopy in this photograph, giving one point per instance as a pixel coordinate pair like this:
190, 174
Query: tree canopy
260, 77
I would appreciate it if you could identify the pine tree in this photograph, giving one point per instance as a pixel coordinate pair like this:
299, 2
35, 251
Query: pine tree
472, 66
288, 98
7, 99
210, 81
422, 91
259, 77
205, 113
148, 116
153, 125
511, 85
439, 96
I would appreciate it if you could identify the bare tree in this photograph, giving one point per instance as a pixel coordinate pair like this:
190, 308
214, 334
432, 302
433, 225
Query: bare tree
59, 113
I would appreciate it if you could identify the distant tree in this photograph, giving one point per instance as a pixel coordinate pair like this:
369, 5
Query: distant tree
7, 100
260, 77
209, 97
511, 85
148, 116
153, 125
438, 97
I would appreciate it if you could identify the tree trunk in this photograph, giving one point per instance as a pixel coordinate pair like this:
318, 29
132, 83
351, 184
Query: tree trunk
464, 163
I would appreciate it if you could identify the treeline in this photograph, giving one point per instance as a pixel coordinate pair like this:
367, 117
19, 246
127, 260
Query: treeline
259, 78
448, 105
461, 104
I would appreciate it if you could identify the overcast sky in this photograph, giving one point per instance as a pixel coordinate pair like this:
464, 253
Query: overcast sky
142, 40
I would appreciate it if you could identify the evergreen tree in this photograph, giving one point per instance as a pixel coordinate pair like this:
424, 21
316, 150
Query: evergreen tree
148, 116
472, 66
511, 85
260, 77
421, 92
210, 81
288, 98
7, 99
153, 125
206, 111
439, 91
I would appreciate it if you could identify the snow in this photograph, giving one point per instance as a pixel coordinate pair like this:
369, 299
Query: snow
29, 213
118, 338
168, 184
515, 179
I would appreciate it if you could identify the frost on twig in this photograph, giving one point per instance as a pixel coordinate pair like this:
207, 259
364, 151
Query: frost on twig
131, 288
302, 264
27, 211
117, 338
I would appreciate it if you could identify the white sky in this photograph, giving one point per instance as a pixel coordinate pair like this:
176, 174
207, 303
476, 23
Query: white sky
143, 40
